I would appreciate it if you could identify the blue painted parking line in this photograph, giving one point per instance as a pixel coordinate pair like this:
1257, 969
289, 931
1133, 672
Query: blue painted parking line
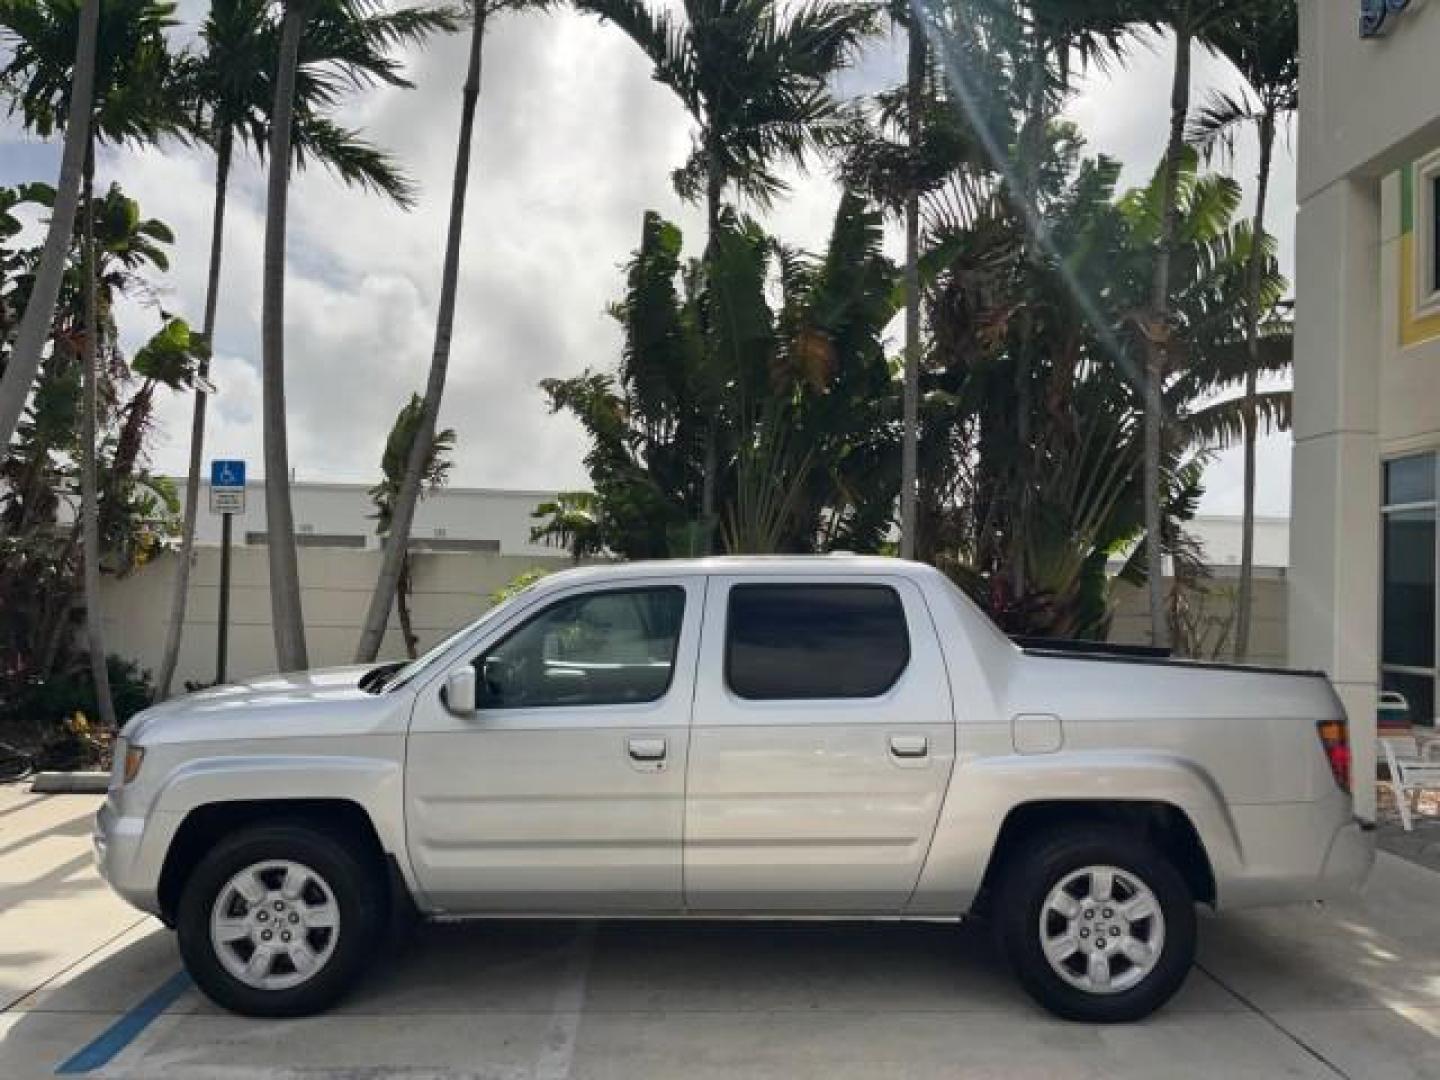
122, 1032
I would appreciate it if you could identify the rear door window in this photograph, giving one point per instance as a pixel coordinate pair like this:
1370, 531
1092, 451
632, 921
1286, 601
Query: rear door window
788, 642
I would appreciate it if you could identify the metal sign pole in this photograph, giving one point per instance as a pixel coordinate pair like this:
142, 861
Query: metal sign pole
227, 498
224, 636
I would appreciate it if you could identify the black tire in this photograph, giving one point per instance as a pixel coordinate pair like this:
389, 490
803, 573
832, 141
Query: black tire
359, 893
1027, 881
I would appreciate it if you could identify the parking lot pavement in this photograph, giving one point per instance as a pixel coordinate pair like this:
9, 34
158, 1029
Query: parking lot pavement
1349, 991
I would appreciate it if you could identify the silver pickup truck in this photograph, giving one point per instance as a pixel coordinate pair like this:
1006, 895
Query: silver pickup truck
787, 737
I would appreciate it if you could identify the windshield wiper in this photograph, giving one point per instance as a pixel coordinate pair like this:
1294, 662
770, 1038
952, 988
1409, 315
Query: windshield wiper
375, 680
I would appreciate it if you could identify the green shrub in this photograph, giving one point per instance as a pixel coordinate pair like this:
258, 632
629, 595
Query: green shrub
58, 721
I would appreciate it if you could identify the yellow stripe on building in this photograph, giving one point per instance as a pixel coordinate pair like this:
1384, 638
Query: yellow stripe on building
1413, 330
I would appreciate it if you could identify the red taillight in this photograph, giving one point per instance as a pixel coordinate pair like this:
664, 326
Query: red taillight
1335, 738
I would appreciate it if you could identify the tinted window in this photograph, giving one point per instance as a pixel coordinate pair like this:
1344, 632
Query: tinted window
1419, 693
1408, 626
607, 648
1410, 480
814, 641
1435, 234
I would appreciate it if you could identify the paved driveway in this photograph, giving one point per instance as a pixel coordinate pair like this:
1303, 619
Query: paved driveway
1352, 991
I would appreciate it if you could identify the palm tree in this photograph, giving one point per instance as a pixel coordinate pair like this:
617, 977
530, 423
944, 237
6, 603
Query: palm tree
403, 512
570, 520
1190, 21
810, 409
20, 20
228, 86
754, 82
1263, 45
286, 613
132, 101
399, 448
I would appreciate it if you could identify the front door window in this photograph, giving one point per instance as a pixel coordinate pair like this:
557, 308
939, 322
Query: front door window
603, 648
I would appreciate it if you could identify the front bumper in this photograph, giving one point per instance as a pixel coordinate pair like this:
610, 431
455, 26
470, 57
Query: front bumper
124, 857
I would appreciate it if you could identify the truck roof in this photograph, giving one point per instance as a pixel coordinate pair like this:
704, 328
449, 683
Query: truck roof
837, 564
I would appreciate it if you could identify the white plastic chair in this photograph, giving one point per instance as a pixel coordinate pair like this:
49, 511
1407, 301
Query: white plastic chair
1413, 768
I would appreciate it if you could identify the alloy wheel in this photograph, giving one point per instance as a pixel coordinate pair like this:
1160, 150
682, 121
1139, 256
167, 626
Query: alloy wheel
274, 924
1102, 930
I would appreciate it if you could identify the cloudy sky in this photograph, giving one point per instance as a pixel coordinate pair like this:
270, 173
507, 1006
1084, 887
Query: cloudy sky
575, 142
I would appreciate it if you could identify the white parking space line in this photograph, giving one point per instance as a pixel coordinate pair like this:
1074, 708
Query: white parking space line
558, 1053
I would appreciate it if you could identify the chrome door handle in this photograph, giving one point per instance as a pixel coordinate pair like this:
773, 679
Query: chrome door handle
909, 746
646, 749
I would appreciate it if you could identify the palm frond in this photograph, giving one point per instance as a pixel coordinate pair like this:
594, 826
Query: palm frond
1222, 425
1216, 124
351, 158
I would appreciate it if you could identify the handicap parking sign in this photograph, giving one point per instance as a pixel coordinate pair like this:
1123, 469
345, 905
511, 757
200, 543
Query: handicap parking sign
227, 487
227, 473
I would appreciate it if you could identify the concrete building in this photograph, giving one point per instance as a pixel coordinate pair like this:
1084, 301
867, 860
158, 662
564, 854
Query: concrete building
1221, 535
1367, 357
330, 515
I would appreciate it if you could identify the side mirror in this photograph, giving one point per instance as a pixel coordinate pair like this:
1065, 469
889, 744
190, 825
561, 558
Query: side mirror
460, 690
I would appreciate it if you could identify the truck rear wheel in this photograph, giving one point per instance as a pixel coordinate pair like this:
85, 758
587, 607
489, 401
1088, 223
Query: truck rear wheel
279, 920
1098, 926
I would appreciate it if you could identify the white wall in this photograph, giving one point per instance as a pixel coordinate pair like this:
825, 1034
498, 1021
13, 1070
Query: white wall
1131, 625
1221, 537
449, 590
345, 509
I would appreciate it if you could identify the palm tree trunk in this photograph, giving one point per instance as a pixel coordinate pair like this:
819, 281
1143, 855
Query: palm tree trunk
1158, 345
35, 323
714, 192
180, 596
89, 500
910, 408
1252, 378
285, 610
402, 606
392, 563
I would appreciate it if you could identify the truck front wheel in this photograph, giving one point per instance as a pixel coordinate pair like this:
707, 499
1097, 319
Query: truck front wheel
279, 920
1098, 925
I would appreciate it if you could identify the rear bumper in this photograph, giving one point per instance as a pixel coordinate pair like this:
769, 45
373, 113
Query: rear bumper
1349, 860
1296, 852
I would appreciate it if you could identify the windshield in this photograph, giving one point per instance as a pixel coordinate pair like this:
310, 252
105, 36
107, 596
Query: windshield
423, 663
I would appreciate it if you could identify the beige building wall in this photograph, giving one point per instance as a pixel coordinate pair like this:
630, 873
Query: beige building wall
449, 590
1409, 360
1131, 625
1369, 106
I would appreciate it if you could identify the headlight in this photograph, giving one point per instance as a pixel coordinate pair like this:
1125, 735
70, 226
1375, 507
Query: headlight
134, 756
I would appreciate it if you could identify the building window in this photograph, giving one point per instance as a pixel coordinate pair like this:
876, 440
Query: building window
452, 543
1410, 577
1426, 209
1435, 235
310, 538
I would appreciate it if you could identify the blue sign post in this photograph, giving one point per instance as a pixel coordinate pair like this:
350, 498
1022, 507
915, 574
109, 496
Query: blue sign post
227, 498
